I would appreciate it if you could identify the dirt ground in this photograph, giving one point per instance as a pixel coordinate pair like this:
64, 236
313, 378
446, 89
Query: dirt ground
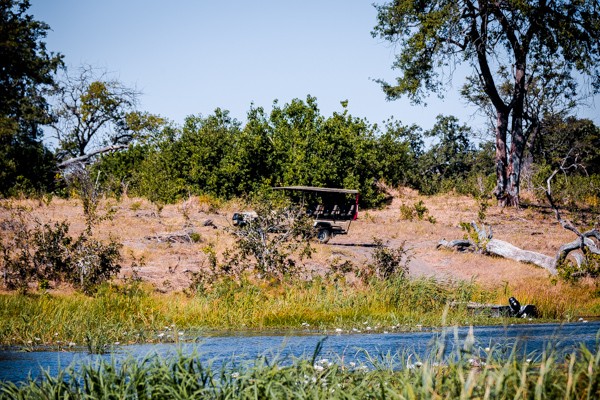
142, 229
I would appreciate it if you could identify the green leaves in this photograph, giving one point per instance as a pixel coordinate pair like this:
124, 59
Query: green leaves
292, 145
26, 76
514, 49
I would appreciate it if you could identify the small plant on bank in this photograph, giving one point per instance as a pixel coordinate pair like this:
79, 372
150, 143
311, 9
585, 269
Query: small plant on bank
390, 262
417, 210
201, 281
135, 206
589, 267
88, 189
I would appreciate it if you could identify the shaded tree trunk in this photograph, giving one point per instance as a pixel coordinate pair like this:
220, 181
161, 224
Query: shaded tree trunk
517, 145
501, 155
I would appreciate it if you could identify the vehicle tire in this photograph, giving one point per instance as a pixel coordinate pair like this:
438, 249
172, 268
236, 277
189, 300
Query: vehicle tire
323, 235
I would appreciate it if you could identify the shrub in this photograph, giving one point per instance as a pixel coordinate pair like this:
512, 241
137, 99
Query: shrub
418, 210
48, 253
268, 241
389, 262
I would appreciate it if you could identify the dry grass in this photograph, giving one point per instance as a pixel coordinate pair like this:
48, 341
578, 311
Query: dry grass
167, 266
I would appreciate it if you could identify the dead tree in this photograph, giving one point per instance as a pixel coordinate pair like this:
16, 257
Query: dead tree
481, 240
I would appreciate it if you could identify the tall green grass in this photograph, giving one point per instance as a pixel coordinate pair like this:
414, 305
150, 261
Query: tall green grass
134, 314
548, 375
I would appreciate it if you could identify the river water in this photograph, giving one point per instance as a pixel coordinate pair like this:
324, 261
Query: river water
366, 349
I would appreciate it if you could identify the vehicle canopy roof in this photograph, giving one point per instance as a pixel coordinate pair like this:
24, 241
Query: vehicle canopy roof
317, 189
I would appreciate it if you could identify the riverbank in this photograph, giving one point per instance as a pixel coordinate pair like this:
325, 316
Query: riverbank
135, 313
168, 284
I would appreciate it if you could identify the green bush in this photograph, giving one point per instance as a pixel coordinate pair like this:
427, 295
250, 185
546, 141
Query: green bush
388, 262
48, 253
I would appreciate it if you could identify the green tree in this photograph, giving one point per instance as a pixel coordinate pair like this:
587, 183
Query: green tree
202, 148
399, 149
26, 75
508, 37
158, 176
578, 140
450, 157
309, 149
96, 114
251, 163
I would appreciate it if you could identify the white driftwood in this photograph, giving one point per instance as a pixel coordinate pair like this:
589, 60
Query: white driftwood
172, 237
507, 250
510, 251
504, 249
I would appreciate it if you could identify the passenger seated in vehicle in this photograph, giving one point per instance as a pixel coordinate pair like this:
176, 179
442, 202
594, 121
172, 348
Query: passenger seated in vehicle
335, 211
319, 211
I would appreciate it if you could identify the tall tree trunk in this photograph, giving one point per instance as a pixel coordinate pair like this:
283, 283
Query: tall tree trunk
501, 156
517, 143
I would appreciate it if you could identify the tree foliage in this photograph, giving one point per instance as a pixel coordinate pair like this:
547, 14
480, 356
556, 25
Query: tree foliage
94, 111
527, 41
268, 241
26, 75
294, 144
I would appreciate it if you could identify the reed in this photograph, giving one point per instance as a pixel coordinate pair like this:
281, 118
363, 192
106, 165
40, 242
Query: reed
133, 315
468, 373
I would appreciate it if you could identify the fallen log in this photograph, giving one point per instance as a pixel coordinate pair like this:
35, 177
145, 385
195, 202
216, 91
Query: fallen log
507, 250
503, 249
481, 241
187, 236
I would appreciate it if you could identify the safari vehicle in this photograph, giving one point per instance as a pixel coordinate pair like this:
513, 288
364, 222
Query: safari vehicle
331, 209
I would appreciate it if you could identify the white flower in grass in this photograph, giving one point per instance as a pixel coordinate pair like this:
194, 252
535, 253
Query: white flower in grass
318, 367
235, 375
325, 362
409, 365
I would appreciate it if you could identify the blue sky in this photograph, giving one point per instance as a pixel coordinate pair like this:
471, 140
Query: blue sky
190, 57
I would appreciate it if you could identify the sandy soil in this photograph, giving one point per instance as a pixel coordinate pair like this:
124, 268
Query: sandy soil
141, 228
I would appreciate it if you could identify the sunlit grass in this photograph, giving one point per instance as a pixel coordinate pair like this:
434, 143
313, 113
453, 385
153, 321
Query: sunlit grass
134, 314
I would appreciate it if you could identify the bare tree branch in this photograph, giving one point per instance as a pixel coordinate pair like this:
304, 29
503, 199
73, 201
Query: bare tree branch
85, 158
